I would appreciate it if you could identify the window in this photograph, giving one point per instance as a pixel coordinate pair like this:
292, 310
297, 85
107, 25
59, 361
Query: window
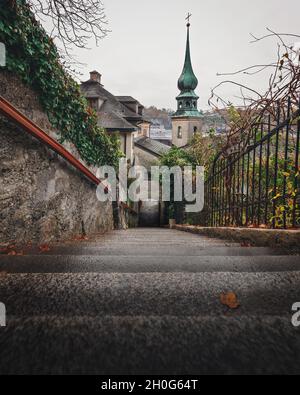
179, 132
94, 103
180, 104
188, 104
195, 129
195, 104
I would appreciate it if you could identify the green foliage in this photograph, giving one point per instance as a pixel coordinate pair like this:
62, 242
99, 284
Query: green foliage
202, 150
177, 157
32, 55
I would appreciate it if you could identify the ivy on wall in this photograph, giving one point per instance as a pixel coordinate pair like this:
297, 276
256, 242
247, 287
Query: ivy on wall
32, 55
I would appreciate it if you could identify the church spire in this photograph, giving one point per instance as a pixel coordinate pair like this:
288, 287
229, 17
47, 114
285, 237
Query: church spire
187, 81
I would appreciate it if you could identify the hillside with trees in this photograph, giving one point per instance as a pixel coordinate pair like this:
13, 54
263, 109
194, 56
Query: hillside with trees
162, 116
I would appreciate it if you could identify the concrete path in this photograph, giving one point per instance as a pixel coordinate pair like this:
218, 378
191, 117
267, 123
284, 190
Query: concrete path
148, 301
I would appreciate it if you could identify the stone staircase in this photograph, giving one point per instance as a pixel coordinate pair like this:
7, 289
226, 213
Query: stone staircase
147, 301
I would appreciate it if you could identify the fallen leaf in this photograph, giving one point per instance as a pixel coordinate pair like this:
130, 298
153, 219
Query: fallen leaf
44, 248
11, 247
12, 253
263, 226
230, 300
245, 244
80, 238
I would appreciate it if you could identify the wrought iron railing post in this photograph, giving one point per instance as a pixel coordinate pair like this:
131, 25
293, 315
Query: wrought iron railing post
286, 158
297, 171
276, 168
268, 172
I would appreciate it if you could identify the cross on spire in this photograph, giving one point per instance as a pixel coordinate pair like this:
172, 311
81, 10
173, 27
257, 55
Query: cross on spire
188, 18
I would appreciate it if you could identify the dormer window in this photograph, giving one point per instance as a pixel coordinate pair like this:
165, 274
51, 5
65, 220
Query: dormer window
195, 104
94, 104
180, 104
188, 104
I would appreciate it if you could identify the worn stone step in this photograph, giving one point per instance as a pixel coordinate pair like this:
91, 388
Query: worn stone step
150, 345
148, 293
146, 264
125, 249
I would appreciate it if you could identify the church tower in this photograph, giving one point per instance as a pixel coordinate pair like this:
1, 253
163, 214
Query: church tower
187, 119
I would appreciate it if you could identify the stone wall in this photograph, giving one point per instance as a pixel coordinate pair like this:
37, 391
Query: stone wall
26, 101
42, 197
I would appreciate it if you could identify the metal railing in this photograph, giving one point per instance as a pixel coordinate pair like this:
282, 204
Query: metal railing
257, 184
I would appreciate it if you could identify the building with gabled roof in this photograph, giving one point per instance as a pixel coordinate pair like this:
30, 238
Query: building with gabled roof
116, 113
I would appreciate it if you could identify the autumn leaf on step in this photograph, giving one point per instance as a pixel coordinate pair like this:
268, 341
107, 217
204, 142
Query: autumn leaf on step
263, 226
11, 247
44, 248
14, 252
80, 238
230, 300
245, 244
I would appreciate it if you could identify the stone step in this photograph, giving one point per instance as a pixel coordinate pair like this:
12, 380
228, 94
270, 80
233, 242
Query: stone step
112, 345
181, 294
172, 250
146, 264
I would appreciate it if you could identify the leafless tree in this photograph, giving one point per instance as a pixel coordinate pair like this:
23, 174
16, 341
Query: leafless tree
74, 22
284, 83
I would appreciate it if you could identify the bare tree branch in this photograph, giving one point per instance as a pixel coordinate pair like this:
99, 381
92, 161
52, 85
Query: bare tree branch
75, 22
284, 83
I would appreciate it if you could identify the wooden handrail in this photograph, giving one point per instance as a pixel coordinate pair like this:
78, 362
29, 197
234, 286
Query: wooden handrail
9, 111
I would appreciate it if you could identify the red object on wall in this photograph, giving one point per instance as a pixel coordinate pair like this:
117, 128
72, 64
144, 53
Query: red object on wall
8, 110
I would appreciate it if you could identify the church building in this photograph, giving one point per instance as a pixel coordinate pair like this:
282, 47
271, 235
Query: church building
187, 120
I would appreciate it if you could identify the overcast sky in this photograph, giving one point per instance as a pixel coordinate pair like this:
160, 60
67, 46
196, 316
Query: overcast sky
144, 53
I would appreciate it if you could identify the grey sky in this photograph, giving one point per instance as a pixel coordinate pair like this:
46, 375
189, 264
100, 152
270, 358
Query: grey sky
144, 53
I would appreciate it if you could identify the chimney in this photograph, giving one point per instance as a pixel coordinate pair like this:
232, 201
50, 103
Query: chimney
95, 76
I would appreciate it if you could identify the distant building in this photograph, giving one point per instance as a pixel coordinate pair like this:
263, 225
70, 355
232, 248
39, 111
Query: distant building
159, 133
116, 114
